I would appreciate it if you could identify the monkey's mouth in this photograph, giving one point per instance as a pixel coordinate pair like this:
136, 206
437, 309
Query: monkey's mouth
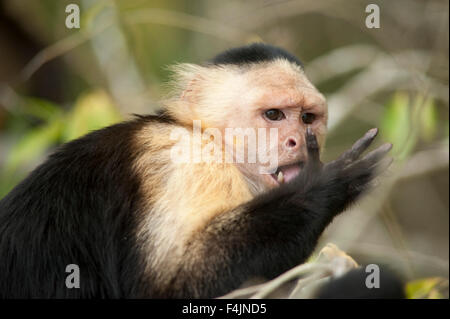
287, 173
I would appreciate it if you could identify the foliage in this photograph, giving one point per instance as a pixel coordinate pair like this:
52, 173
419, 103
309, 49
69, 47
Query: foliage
91, 111
427, 288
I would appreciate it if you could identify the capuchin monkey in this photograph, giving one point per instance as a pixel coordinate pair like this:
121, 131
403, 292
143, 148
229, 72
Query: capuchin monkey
140, 223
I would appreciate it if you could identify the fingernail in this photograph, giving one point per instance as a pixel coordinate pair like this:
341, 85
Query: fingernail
387, 147
373, 132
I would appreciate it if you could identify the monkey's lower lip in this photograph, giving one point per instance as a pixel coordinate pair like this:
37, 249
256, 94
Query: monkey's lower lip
286, 173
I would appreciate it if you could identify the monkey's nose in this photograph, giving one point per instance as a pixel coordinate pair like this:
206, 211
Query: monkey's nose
291, 143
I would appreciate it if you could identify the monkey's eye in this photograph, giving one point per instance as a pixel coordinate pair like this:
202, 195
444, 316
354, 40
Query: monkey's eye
308, 118
274, 115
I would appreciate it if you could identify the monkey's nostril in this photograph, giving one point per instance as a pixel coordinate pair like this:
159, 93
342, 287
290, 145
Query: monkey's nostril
291, 143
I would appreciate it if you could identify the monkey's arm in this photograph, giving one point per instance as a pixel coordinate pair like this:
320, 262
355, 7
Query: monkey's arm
278, 230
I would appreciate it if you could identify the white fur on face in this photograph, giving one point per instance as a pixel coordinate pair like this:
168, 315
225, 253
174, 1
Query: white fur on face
237, 97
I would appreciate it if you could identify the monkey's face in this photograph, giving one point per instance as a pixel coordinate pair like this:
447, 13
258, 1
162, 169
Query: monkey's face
269, 96
277, 96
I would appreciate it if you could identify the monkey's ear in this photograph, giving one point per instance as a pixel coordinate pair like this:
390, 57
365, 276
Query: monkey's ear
185, 91
186, 81
192, 91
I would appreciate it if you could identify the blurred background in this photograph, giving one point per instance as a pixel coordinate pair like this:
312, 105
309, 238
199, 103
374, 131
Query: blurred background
58, 83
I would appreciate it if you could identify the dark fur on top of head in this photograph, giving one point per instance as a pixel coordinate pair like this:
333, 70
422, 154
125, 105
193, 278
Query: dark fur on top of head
254, 53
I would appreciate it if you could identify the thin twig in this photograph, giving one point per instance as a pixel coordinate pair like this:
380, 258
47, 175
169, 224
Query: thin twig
188, 22
288, 276
156, 16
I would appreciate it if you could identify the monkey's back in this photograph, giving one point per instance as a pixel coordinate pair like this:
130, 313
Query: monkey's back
78, 207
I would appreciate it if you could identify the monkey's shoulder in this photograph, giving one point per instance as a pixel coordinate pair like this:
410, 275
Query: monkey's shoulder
95, 166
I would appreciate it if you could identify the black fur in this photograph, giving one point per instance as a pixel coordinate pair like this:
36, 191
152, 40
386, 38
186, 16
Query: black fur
352, 285
76, 208
254, 53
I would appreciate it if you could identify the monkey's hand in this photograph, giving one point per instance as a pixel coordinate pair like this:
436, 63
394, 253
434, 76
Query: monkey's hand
341, 181
280, 229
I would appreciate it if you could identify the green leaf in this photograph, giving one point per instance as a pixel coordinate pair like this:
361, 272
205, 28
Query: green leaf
41, 108
428, 120
33, 144
396, 125
424, 288
91, 112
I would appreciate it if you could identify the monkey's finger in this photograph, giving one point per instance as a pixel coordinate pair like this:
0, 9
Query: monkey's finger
359, 147
364, 177
312, 146
372, 163
383, 165
376, 155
